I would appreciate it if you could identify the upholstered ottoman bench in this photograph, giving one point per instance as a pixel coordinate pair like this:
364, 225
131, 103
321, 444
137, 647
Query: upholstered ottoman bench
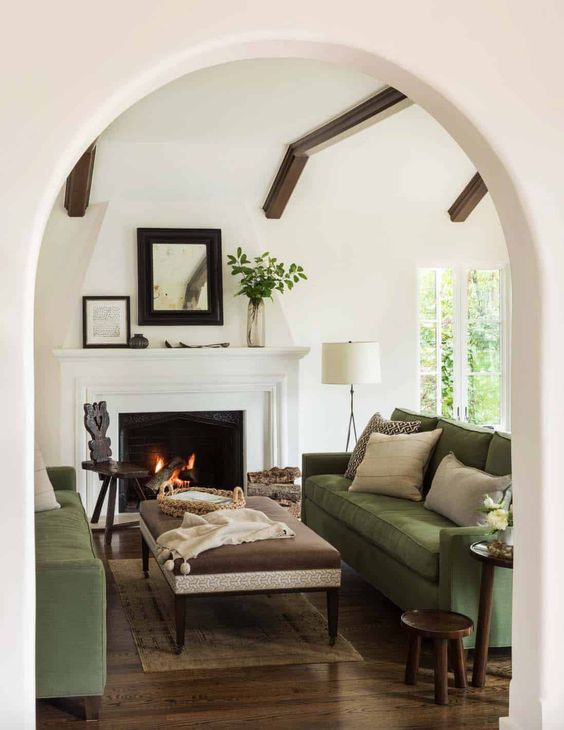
291, 565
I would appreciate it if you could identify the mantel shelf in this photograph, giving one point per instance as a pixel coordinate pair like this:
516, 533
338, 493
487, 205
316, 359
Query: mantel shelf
165, 353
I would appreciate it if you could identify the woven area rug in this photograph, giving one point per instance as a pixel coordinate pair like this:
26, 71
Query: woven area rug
223, 632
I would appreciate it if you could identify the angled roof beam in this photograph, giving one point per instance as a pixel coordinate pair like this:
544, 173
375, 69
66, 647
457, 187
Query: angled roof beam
468, 199
79, 182
298, 152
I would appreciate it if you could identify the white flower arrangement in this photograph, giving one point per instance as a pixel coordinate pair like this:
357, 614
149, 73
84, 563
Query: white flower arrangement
499, 515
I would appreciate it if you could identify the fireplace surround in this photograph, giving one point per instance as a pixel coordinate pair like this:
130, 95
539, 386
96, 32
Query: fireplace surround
262, 383
214, 437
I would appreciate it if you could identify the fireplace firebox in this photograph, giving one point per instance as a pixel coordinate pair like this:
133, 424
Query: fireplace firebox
215, 438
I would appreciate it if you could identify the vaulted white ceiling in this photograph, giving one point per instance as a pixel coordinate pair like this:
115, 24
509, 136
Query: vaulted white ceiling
247, 103
221, 133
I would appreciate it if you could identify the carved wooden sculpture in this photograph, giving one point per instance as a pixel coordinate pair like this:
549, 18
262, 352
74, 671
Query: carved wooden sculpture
96, 422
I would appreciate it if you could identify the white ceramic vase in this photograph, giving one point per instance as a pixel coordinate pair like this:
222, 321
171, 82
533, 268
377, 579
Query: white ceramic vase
506, 535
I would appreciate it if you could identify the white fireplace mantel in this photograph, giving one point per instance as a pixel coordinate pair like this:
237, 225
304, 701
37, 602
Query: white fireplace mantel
261, 382
181, 354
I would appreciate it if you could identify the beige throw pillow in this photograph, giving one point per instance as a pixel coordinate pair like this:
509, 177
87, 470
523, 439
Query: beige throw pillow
377, 424
44, 493
395, 465
458, 491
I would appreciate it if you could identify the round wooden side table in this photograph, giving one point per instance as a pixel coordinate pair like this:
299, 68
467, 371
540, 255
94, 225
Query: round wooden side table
442, 627
479, 551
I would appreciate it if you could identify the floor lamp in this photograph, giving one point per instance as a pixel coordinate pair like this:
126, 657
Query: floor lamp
350, 363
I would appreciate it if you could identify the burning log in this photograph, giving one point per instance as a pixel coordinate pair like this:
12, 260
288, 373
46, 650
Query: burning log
164, 474
276, 475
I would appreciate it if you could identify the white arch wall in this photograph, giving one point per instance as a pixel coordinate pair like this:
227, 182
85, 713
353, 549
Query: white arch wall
65, 76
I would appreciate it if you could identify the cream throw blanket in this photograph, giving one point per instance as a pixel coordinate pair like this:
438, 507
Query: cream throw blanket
199, 533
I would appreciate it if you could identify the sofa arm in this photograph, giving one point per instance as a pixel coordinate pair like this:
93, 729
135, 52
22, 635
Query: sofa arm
456, 565
459, 582
62, 478
331, 463
70, 628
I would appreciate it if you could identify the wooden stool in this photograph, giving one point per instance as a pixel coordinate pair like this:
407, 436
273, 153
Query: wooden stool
96, 422
110, 472
442, 627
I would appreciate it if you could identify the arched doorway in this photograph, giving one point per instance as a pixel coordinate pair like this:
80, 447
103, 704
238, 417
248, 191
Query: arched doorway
526, 347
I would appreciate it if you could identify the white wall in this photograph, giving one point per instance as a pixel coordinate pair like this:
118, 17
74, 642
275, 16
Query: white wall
365, 214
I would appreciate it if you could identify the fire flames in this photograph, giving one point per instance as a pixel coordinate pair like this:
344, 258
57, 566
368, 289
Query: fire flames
182, 475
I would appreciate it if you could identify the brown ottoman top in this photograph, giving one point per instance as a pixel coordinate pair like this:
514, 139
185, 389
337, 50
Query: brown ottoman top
306, 551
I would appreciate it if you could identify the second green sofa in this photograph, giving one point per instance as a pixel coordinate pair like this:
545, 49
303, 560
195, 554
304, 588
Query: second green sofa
415, 557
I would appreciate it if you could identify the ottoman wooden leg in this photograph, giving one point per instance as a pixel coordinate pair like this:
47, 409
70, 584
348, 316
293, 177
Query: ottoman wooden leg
440, 654
413, 654
180, 617
145, 556
333, 614
92, 706
458, 659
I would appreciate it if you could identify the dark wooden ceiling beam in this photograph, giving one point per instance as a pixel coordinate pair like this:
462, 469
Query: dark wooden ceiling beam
298, 152
79, 182
468, 199
284, 183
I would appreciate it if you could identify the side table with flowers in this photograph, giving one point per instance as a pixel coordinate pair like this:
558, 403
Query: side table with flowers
499, 517
497, 553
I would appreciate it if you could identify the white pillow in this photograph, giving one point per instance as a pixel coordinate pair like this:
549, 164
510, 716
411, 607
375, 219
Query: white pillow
458, 491
395, 465
44, 492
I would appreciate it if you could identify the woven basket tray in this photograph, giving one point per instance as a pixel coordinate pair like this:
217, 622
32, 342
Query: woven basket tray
177, 507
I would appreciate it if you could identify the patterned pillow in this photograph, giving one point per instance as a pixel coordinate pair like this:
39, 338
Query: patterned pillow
377, 424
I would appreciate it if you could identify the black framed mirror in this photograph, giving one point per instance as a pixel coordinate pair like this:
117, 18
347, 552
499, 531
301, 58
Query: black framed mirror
180, 276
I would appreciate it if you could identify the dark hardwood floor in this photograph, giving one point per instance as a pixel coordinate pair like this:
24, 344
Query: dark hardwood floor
355, 695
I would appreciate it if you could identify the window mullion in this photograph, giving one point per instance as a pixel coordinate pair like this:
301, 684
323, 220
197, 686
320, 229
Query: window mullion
463, 328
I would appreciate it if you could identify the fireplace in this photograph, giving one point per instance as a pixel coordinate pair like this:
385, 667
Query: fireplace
210, 441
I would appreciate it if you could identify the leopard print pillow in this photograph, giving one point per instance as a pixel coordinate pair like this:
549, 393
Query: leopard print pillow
377, 424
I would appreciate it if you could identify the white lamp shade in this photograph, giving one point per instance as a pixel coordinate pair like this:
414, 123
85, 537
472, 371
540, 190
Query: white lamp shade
350, 362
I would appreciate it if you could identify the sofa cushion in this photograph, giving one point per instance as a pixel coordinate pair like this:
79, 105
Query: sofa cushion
468, 443
403, 529
458, 491
499, 454
395, 465
428, 421
63, 534
44, 492
377, 424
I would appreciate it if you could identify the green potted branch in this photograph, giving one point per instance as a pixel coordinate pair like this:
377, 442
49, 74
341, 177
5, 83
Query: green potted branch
259, 279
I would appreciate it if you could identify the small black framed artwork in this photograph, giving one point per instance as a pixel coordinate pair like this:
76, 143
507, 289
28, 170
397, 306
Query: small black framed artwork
106, 321
180, 276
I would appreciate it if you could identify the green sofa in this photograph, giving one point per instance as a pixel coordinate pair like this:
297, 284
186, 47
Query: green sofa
415, 557
70, 600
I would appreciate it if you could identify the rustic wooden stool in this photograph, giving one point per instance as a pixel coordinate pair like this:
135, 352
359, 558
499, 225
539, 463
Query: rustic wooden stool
442, 627
96, 422
110, 472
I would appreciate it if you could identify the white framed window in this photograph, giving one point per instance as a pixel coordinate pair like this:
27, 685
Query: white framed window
464, 344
